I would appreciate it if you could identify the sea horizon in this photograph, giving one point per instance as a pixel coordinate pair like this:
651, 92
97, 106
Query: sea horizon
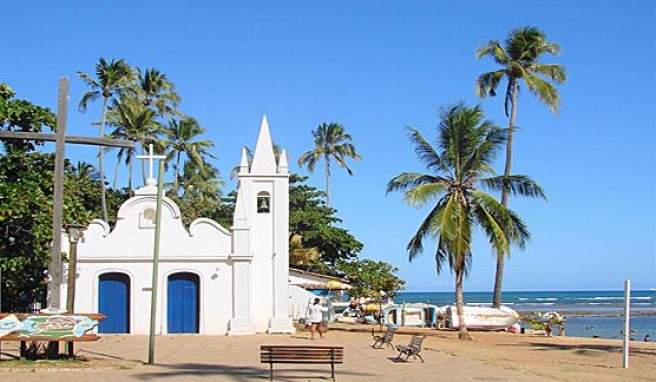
588, 313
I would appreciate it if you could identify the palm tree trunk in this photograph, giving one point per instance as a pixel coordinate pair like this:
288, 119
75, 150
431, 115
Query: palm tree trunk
460, 305
130, 177
327, 182
177, 173
498, 280
101, 172
118, 163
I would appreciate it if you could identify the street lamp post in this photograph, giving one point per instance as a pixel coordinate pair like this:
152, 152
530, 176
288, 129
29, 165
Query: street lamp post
75, 233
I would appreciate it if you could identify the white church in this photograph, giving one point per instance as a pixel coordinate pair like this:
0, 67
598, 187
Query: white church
212, 280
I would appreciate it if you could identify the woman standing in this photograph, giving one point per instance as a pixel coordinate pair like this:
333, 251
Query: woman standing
315, 317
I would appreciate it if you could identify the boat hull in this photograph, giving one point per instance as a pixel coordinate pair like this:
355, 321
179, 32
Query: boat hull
482, 318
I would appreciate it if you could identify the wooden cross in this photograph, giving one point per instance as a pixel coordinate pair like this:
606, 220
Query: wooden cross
60, 154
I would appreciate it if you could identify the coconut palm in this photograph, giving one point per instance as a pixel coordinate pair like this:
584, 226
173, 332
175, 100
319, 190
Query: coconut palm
84, 170
154, 90
112, 78
330, 142
520, 61
180, 142
133, 121
459, 167
199, 181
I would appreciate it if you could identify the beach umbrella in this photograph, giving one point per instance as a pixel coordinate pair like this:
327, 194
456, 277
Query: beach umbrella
370, 308
334, 285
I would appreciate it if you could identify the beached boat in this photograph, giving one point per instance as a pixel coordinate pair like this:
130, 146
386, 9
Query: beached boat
413, 315
480, 318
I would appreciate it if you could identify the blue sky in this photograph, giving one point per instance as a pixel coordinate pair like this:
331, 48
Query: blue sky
376, 67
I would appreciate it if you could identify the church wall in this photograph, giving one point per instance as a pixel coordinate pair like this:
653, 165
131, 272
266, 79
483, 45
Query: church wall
215, 300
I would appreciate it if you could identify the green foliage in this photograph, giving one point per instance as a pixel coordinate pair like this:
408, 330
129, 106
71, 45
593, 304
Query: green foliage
193, 207
369, 277
312, 220
26, 186
21, 115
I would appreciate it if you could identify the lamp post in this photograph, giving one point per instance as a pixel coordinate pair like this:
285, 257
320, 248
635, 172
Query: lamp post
75, 233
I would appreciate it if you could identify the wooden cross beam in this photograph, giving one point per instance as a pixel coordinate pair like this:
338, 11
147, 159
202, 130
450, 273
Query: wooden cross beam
60, 154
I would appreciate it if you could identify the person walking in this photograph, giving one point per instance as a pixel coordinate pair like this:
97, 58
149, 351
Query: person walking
315, 317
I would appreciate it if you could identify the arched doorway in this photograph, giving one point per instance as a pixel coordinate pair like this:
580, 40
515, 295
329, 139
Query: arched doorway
114, 302
183, 303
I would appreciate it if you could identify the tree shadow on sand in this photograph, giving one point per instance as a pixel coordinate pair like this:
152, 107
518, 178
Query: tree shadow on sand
239, 373
582, 349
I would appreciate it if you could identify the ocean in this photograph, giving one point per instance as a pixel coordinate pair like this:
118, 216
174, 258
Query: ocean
588, 313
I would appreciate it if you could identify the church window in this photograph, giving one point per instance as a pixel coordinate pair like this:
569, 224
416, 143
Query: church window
263, 202
147, 218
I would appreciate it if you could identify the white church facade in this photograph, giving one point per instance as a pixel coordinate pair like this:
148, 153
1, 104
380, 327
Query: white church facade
212, 280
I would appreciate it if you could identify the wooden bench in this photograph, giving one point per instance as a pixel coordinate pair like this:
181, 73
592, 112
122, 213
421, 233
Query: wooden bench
385, 339
412, 349
301, 354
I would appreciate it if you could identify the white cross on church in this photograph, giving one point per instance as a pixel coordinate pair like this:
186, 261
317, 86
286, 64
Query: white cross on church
150, 157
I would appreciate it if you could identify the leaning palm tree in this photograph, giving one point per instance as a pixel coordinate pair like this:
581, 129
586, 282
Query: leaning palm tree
135, 122
330, 142
180, 142
520, 62
459, 168
111, 80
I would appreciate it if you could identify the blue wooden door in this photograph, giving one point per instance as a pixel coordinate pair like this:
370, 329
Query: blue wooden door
114, 302
182, 315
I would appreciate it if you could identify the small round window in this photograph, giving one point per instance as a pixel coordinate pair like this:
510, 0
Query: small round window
263, 202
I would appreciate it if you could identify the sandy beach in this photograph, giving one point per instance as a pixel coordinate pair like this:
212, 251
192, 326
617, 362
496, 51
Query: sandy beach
489, 357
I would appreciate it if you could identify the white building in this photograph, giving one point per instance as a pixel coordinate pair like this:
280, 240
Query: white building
212, 280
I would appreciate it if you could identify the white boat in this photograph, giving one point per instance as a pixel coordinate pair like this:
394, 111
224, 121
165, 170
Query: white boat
480, 318
412, 315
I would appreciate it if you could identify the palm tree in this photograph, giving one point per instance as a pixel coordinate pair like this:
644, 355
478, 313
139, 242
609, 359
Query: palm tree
520, 62
199, 181
467, 145
153, 89
180, 142
330, 142
135, 122
111, 80
84, 170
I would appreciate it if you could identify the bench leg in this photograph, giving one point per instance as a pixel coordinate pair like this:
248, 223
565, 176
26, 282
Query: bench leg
23, 350
332, 371
422, 360
271, 372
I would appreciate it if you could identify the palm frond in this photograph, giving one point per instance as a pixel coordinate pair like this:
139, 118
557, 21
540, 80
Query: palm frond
516, 185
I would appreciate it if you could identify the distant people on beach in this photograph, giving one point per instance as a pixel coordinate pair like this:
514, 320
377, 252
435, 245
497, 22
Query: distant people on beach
561, 330
647, 338
548, 330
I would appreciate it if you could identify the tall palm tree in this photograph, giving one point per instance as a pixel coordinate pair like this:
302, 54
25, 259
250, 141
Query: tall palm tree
520, 61
330, 142
459, 167
133, 121
111, 80
154, 90
180, 141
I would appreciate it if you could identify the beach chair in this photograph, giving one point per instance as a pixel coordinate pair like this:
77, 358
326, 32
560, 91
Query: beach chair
385, 339
412, 349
